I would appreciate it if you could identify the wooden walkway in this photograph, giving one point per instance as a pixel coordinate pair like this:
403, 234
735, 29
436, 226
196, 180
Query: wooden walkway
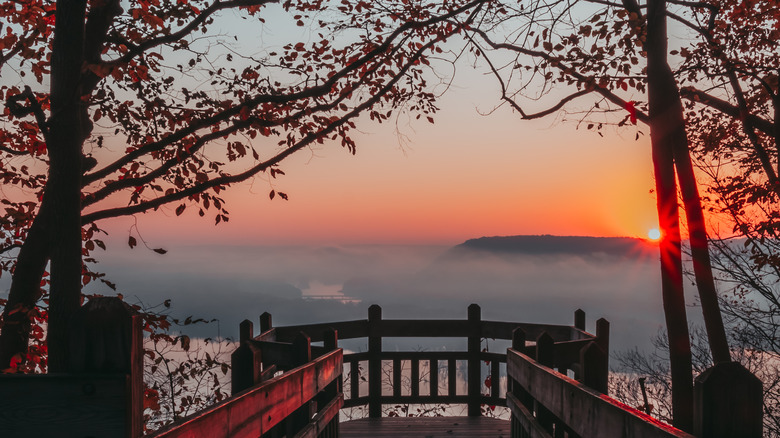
425, 427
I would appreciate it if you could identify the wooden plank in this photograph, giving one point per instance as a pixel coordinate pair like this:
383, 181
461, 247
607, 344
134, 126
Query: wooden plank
528, 423
587, 412
347, 330
503, 330
354, 402
275, 353
487, 356
356, 356
426, 328
568, 352
322, 418
255, 411
429, 355
420, 328
424, 399
64, 405
425, 427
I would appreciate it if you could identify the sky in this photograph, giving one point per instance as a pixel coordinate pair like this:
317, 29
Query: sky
467, 175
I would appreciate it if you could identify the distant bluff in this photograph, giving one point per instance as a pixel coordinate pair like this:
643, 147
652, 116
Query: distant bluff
552, 245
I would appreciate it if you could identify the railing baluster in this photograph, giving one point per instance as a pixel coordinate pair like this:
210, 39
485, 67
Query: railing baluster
396, 377
494, 378
475, 375
452, 377
354, 379
434, 377
374, 362
415, 377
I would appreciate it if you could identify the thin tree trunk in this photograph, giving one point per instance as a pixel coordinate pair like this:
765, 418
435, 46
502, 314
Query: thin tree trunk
25, 290
702, 265
68, 126
662, 134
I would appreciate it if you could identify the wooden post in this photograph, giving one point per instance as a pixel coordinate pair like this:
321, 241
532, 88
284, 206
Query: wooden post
474, 372
602, 337
593, 363
545, 350
246, 361
545, 355
301, 351
518, 340
105, 336
374, 362
728, 403
301, 347
579, 319
265, 322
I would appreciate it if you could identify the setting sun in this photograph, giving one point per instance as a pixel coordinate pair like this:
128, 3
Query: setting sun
654, 234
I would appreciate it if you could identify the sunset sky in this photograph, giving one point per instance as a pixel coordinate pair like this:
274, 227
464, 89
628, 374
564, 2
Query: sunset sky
467, 175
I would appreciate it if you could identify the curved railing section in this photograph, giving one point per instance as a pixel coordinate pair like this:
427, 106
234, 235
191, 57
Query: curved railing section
567, 342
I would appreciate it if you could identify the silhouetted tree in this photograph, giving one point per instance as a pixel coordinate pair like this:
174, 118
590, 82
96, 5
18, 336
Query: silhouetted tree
593, 51
117, 108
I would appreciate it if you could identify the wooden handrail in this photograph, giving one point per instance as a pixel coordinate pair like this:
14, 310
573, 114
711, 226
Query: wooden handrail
255, 411
576, 407
568, 341
425, 328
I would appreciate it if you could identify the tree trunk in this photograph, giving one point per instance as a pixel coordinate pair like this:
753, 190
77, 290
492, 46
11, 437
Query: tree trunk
68, 125
664, 131
702, 265
25, 290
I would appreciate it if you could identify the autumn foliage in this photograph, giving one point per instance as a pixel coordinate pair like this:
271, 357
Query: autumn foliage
115, 109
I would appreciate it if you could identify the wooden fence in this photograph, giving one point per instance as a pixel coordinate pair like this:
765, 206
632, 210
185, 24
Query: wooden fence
546, 404
567, 343
285, 386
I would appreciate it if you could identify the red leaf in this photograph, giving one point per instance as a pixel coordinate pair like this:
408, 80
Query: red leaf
631, 111
132, 242
180, 210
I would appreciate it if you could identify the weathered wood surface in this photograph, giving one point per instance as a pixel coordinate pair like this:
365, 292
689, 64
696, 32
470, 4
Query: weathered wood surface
728, 402
425, 427
525, 419
346, 329
257, 410
60, 405
320, 422
434, 328
586, 411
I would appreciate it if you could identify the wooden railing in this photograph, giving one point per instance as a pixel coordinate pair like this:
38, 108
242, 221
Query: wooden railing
285, 386
567, 343
289, 389
546, 403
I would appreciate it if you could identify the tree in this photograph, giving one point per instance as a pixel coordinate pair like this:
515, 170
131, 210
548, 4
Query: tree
591, 50
99, 74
